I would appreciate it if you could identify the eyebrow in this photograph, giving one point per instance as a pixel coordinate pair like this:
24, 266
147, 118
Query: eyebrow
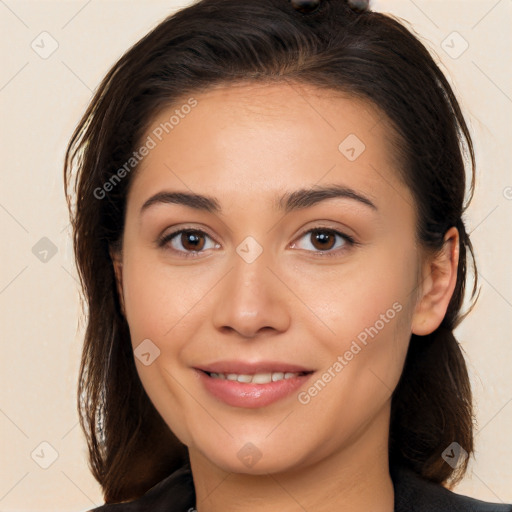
290, 201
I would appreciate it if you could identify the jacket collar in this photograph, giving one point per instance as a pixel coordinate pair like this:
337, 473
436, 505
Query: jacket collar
176, 493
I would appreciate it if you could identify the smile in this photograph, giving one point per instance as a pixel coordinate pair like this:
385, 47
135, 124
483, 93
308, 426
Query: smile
257, 378
251, 391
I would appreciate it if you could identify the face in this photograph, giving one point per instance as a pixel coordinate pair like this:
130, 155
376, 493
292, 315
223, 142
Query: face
270, 321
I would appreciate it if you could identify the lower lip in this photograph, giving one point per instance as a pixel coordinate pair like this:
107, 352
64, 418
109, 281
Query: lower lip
250, 396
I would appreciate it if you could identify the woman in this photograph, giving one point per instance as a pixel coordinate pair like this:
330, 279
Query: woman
273, 257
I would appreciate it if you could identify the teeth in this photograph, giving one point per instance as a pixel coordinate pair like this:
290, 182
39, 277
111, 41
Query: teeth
262, 378
257, 378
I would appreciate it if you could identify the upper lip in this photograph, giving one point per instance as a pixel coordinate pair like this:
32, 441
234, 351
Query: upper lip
248, 368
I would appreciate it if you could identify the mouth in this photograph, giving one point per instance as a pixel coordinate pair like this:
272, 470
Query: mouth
252, 385
256, 378
233, 367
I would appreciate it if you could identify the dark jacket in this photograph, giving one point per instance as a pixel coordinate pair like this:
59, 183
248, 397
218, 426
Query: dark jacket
412, 494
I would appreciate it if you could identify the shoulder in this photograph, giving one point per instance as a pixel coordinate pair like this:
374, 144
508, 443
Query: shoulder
414, 494
173, 494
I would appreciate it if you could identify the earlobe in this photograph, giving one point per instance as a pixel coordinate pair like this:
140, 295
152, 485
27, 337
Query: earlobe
439, 277
117, 262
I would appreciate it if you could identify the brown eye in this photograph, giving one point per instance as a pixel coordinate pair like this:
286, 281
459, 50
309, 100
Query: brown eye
188, 242
323, 240
192, 240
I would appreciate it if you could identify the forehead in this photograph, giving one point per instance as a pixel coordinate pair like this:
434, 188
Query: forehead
264, 138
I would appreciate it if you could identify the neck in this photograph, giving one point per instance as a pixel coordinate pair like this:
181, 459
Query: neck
354, 479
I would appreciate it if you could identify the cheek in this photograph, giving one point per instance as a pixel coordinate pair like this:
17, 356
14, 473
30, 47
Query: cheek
364, 363
367, 291
157, 296
157, 304
368, 308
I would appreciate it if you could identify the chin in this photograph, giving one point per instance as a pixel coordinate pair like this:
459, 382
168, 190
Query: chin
266, 465
253, 458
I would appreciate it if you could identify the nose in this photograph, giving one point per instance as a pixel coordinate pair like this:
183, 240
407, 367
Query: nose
252, 300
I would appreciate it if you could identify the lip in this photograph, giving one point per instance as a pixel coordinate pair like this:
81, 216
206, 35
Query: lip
246, 367
248, 395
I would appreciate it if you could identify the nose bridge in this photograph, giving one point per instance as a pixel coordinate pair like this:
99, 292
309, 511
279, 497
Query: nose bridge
252, 298
251, 260
250, 275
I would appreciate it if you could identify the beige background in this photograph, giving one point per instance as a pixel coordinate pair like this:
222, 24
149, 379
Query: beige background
41, 101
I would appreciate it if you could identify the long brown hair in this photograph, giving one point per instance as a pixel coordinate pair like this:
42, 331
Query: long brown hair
362, 53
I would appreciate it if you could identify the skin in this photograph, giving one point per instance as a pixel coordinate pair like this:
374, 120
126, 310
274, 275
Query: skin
245, 145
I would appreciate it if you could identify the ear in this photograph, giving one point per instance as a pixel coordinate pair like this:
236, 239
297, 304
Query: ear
439, 277
117, 261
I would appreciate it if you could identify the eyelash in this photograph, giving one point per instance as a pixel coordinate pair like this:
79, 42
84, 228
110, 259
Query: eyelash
349, 241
